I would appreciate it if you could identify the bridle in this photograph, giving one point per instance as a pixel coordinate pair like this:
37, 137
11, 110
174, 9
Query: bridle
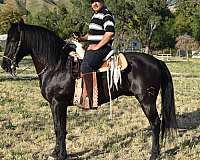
13, 61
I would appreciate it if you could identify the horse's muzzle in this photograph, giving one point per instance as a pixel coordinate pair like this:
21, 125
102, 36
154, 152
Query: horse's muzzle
8, 66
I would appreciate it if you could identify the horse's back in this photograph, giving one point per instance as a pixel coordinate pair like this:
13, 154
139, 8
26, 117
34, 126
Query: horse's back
141, 57
143, 72
142, 63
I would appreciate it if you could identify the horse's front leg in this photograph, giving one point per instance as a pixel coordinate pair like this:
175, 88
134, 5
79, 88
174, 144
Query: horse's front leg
59, 112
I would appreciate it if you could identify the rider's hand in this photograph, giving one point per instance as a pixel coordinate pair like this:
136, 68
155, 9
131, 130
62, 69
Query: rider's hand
93, 47
76, 36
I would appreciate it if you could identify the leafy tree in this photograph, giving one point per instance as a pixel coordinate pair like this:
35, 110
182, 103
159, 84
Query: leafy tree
82, 12
182, 25
139, 19
148, 21
54, 20
6, 17
188, 18
63, 21
150, 16
121, 11
165, 36
195, 25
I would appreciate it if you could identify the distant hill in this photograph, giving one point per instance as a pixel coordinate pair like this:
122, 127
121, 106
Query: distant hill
33, 6
12, 5
37, 6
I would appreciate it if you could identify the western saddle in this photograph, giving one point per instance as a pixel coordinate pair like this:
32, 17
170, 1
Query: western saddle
81, 98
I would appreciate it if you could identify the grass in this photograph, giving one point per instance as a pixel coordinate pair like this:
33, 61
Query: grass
189, 68
26, 130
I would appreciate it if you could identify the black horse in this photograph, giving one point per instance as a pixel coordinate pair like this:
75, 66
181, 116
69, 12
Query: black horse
143, 78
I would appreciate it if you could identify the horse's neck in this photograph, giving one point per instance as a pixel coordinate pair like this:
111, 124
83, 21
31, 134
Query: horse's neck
39, 65
42, 58
29, 47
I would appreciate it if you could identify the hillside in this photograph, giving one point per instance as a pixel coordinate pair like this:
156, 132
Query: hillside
9, 5
33, 6
38, 6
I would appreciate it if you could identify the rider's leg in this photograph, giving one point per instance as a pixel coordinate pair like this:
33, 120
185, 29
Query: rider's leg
91, 62
90, 86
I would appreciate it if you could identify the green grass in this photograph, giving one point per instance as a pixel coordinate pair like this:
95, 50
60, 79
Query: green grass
188, 68
26, 130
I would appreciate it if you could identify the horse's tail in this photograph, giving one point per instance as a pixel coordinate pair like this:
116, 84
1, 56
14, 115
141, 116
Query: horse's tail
169, 122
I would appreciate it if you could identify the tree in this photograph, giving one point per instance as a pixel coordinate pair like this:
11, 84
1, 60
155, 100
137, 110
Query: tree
195, 24
121, 10
145, 17
136, 19
187, 18
165, 36
63, 21
186, 43
145, 21
81, 13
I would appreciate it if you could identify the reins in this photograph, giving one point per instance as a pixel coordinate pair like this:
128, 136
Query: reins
38, 74
23, 69
12, 61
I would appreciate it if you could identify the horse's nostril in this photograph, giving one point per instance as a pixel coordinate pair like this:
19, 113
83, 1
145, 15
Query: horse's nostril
3, 67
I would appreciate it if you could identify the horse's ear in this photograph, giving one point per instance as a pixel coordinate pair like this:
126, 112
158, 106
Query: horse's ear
11, 23
21, 21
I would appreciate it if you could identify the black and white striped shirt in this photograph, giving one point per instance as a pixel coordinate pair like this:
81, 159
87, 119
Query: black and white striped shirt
101, 22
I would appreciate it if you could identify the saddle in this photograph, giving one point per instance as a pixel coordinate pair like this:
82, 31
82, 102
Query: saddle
121, 62
112, 60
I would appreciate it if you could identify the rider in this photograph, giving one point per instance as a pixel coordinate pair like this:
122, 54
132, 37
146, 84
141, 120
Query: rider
100, 38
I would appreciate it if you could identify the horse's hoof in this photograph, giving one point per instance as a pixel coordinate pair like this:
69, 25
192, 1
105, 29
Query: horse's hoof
51, 158
153, 157
56, 155
82, 107
53, 155
57, 158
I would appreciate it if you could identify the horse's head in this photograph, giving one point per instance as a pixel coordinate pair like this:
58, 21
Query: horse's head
11, 56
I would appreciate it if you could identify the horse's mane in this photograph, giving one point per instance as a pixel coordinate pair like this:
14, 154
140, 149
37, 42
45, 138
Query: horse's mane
45, 44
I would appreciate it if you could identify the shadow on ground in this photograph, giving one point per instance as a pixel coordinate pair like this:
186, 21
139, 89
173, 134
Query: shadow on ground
186, 121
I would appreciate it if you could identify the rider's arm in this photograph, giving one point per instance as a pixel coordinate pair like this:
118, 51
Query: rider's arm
106, 38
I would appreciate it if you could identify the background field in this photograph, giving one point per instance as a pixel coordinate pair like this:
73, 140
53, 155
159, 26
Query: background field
26, 130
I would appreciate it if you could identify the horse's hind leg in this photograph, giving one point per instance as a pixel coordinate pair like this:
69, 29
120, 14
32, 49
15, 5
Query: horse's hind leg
59, 112
149, 107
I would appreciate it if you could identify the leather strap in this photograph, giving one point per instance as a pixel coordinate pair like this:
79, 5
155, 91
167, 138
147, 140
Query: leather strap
95, 91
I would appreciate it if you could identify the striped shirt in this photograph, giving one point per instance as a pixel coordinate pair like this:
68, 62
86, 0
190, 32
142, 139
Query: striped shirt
101, 22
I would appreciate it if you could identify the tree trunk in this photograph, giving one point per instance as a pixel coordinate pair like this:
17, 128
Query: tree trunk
148, 43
